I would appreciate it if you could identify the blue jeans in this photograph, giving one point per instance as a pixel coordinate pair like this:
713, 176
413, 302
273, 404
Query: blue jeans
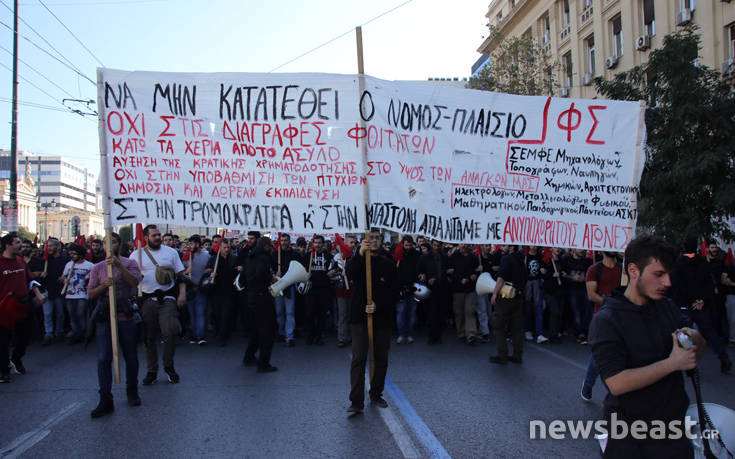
406, 315
198, 315
482, 304
582, 310
285, 313
77, 308
592, 373
534, 306
53, 314
127, 332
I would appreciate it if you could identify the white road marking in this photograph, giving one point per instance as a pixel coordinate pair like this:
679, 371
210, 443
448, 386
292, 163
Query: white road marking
29, 439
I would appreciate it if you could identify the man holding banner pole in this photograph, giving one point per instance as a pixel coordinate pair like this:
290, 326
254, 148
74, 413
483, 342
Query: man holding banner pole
385, 295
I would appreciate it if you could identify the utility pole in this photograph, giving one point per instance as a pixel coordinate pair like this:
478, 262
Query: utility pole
14, 123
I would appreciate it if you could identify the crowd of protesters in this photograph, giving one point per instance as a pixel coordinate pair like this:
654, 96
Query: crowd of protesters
201, 290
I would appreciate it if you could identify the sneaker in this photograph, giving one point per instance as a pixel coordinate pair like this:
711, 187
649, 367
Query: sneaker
355, 408
498, 359
150, 378
379, 402
268, 369
725, 366
409, 340
5, 377
173, 377
17, 366
400, 340
105, 406
529, 336
586, 392
541, 339
484, 338
202, 342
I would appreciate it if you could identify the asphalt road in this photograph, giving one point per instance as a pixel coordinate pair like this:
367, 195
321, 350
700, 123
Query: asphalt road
445, 401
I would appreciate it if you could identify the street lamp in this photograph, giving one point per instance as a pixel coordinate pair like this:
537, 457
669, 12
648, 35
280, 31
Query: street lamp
46, 205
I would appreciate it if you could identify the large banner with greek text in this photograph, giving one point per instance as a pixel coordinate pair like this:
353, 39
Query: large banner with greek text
320, 153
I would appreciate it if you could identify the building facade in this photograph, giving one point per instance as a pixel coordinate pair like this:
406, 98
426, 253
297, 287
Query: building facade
591, 38
67, 184
27, 199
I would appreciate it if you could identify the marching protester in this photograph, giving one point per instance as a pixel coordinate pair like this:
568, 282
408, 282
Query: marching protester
462, 267
197, 302
125, 278
319, 298
482, 302
76, 277
634, 345
222, 296
407, 258
693, 290
601, 279
573, 269
168, 240
16, 301
534, 296
285, 304
554, 293
507, 300
162, 298
432, 272
384, 297
259, 277
98, 253
52, 279
342, 291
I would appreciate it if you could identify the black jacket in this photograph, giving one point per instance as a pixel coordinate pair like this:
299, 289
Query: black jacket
427, 265
623, 336
691, 280
320, 263
258, 276
464, 267
286, 257
226, 273
385, 290
407, 268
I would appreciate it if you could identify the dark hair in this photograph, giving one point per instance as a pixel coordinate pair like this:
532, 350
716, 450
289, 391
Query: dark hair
407, 238
195, 238
78, 249
263, 242
205, 240
318, 236
148, 228
7, 240
114, 235
167, 234
254, 233
224, 240
646, 248
300, 242
285, 234
216, 236
690, 244
98, 241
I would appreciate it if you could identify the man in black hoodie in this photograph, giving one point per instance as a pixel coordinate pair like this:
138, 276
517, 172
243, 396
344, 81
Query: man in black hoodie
407, 258
693, 290
634, 344
259, 277
319, 298
432, 271
385, 295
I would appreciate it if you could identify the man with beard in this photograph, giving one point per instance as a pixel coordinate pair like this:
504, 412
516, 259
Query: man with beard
98, 254
508, 302
385, 295
76, 277
168, 240
319, 298
635, 346
197, 303
161, 302
259, 277
222, 294
52, 278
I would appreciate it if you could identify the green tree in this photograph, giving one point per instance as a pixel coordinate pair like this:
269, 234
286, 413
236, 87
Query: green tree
518, 65
23, 233
126, 232
688, 184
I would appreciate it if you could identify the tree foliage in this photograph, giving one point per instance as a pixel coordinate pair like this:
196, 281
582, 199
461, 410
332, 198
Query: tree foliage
126, 233
518, 65
688, 184
23, 234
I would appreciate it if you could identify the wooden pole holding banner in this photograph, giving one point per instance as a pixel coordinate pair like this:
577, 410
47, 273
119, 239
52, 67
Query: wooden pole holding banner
368, 268
104, 160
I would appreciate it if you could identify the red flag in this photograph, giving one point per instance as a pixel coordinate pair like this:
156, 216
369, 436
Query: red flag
398, 254
704, 250
139, 236
81, 241
591, 255
88, 257
186, 255
547, 256
35, 239
344, 248
729, 259
11, 311
216, 246
89, 242
478, 250
45, 250
277, 244
312, 244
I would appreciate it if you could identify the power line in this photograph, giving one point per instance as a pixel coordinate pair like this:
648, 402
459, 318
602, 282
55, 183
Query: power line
39, 73
32, 84
72, 68
33, 104
72, 33
100, 3
341, 35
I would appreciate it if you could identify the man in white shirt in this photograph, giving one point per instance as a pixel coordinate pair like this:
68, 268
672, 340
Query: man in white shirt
76, 277
161, 303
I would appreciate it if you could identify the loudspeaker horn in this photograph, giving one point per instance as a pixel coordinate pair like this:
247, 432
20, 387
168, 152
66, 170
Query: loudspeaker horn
485, 284
296, 273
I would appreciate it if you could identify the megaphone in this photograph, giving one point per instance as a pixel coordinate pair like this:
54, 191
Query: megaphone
42, 292
722, 436
296, 273
485, 284
421, 292
238, 286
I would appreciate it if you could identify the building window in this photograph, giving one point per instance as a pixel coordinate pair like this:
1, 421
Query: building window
546, 24
568, 69
590, 45
565, 13
512, 4
689, 4
649, 22
586, 4
617, 36
499, 17
731, 41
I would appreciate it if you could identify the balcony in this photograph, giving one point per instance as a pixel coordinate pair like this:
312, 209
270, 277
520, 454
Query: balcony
564, 34
585, 17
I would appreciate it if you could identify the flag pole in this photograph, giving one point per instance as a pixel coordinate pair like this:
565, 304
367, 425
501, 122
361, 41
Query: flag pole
108, 223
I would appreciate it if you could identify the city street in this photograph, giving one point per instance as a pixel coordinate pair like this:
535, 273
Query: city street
445, 401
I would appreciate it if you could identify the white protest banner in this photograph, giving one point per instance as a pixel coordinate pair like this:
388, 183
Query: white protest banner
283, 152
